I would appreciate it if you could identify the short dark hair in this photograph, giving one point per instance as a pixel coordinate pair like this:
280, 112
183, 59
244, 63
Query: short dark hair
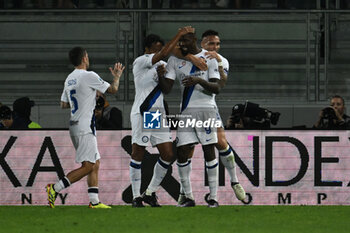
190, 35
5, 113
151, 39
339, 97
210, 33
76, 54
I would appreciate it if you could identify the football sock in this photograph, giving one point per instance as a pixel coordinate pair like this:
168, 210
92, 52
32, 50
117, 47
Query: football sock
135, 177
212, 170
181, 189
184, 173
159, 171
61, 184
93, 195
228, 160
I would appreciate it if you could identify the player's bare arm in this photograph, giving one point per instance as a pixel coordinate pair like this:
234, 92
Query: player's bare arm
212, 86
197, 61
64, 105
165, 83
169, 47
223, 76
117, 72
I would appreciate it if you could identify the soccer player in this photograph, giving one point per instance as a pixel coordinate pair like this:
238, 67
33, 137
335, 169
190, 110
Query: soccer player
79, 94
211, 42
198, 89
149, 97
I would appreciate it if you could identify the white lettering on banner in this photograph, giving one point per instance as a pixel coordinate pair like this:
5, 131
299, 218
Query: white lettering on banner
275, 167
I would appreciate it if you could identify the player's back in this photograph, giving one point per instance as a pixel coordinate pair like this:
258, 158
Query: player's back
81, 94
145, 81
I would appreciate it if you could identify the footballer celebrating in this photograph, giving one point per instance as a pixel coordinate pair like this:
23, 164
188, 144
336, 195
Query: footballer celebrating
198, 88
79, 94
149, 97
211, 42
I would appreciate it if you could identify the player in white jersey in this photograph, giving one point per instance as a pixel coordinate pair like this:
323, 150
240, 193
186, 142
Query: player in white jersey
79, 94
198, 89
149, 102
211, 42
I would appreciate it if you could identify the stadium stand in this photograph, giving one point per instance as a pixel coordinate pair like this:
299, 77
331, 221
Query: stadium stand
276, 59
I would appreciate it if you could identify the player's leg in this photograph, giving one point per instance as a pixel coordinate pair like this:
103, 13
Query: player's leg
208, 138
184, 167
186, 140
228, 160
140, 140
135, 173
182, 196
92, 181
159, 172
72, 177
212, 168
86, 155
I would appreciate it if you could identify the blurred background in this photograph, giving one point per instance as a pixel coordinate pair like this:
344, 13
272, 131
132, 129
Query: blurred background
287, 56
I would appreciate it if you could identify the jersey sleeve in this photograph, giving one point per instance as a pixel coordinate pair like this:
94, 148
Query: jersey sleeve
64, 97
143, 62
95, 82
213, 69
170, 69
225, 65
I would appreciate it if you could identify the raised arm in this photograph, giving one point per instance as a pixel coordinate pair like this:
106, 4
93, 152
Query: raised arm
117, 72
197, 61
223, 76
169, 47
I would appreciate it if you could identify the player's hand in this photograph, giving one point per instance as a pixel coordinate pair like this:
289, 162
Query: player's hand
200, 62
117, 70
185, 30
190, 81
161, 71
213, 54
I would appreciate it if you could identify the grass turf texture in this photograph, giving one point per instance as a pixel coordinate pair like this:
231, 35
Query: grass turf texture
285, 219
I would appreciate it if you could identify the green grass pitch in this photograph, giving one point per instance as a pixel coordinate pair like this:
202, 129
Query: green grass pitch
238, 219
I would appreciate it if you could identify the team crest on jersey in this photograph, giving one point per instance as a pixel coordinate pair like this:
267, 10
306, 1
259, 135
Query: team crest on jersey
182, 64
72, 82
145, 139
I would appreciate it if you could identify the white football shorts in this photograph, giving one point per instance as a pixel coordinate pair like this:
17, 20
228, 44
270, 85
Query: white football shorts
197, 134
143, 137
86, 148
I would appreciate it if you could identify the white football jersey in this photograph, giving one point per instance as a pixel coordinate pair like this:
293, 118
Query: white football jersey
80, 92
147, 91
194, 96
